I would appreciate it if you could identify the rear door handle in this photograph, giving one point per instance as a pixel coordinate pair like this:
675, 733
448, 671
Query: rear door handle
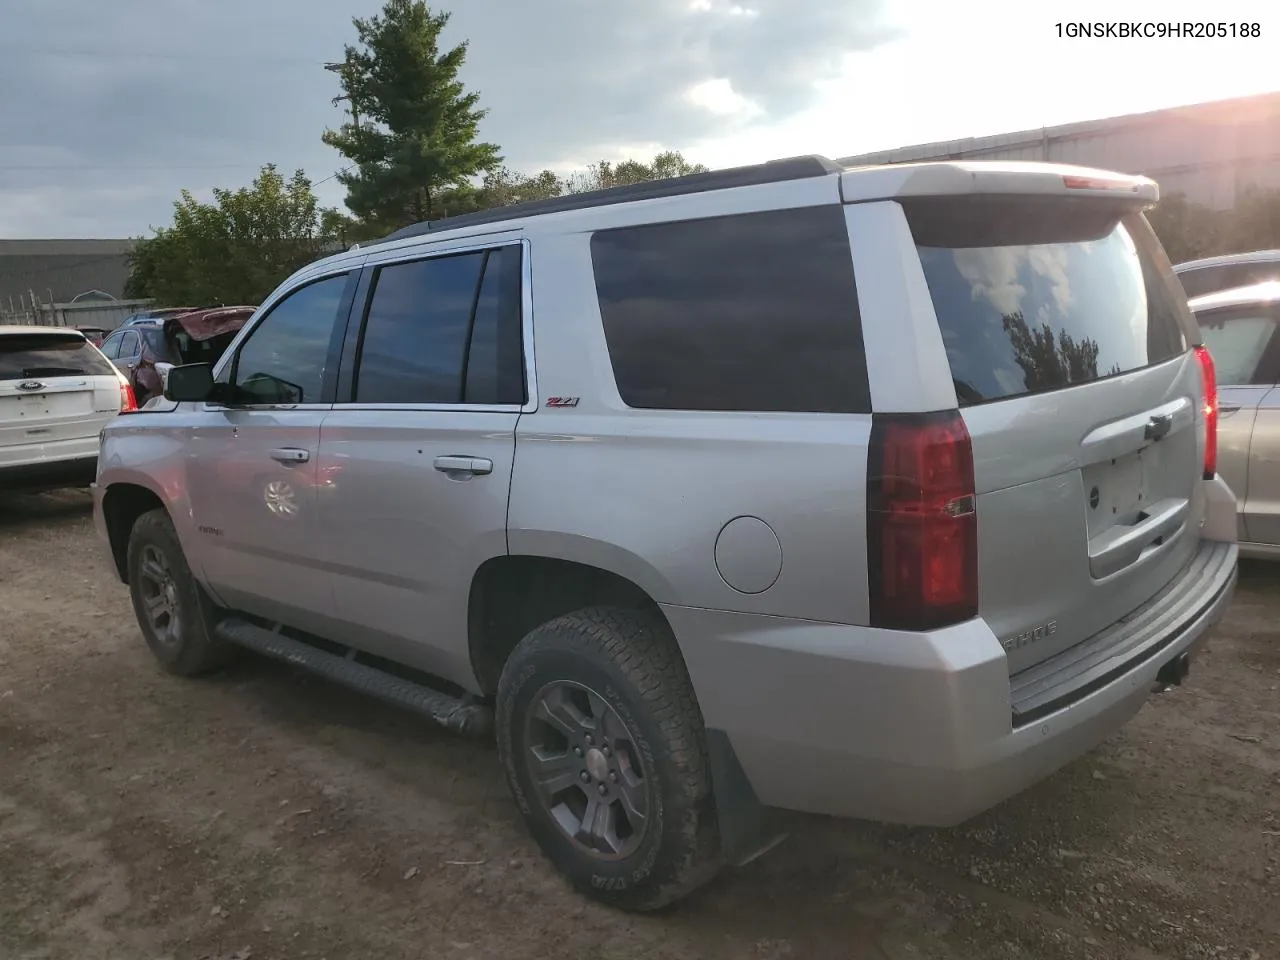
1227, 407
477, 466
291, 455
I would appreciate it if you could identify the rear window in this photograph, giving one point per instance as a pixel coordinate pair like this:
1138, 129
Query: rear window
1227, 276
754, 312
1033, 296
1243, 343
27, 355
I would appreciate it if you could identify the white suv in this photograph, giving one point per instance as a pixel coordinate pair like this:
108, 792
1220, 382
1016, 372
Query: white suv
57, 392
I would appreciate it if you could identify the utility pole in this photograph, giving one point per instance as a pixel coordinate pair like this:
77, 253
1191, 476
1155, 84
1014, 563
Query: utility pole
340, 70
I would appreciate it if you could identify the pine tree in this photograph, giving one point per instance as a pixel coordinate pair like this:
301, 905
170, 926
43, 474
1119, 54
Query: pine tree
413, 136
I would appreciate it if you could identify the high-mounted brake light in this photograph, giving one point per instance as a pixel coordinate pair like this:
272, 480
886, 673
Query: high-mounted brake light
1098, 183
128, 400
922, 523
1209, 383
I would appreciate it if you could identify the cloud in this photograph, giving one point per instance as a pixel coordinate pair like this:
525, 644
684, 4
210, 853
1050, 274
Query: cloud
111, 109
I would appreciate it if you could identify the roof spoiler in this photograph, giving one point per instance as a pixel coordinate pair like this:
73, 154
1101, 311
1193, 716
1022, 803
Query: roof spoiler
959, 178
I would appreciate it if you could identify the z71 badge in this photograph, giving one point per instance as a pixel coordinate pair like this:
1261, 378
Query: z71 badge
562, 401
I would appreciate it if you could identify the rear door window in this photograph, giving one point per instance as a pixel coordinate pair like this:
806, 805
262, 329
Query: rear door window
755, 312
30, 355
1243, 344
1033, 295
445, 330
130, 345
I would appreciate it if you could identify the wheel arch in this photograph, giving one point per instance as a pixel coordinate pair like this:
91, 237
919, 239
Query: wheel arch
122, 504
513, 593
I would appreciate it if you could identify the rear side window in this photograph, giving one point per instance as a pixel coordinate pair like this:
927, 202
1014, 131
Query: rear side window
444, 330
29, 355
1227, 276
1243, 344
1038, 295
755, 312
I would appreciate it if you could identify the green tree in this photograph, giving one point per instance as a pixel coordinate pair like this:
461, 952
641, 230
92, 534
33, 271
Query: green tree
504, 186
1187, 230
413, 133
235, 249
1254, 224
602, 175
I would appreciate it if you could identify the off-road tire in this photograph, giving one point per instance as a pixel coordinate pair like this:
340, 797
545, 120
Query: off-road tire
196, 650
630, 659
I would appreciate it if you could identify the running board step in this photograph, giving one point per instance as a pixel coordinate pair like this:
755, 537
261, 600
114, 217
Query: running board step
449, 711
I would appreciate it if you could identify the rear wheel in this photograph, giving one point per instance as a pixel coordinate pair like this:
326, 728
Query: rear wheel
604, 750
174, 612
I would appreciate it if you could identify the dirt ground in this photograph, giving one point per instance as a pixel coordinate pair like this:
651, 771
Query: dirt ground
265, 814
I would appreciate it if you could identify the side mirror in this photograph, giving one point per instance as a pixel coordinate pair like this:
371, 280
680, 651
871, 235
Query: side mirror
189, 383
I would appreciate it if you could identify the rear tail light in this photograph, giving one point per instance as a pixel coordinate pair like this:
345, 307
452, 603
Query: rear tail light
922, 523
128, 402
1072, 182
1209, 381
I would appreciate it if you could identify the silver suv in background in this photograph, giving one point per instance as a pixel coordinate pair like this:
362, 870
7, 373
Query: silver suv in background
876, 492
1239, 327
1232, 270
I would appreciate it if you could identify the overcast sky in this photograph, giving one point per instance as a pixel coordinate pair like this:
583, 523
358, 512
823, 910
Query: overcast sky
109, 109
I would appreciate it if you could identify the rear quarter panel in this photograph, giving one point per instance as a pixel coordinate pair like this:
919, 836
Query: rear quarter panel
647, 493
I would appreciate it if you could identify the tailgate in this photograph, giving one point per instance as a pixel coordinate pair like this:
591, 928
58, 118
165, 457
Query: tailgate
1069, 346
53, 386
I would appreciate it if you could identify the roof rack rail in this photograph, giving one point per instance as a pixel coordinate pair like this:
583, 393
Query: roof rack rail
775, 171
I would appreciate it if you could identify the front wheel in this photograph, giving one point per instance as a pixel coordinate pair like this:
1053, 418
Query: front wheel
174, 612
604, 751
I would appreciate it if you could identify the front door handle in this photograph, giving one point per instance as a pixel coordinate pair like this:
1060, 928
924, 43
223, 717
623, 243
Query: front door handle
476, 466
291, 455
1227, 407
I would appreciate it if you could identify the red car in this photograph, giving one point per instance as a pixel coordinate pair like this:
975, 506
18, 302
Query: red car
145, 353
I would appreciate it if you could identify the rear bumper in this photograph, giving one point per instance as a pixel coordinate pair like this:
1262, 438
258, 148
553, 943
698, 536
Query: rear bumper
921, 728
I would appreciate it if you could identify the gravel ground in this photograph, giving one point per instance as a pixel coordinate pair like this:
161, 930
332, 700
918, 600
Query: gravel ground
265, 814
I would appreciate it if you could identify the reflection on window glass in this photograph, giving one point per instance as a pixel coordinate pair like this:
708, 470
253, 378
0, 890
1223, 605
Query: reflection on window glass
756, 312
111, 347
129, 345
482, 362
1238, 340
283, 360
416, 332
1051, 302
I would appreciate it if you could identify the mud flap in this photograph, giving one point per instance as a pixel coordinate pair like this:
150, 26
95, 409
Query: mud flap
745, 831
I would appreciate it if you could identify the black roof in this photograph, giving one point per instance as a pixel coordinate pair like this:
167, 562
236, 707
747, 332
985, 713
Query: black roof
775, 171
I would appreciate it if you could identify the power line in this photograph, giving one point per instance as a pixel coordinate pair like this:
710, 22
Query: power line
332, 176
56, 168
128, 168
9, 50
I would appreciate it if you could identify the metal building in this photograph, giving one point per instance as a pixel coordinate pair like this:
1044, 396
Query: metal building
60, 270
1208, 151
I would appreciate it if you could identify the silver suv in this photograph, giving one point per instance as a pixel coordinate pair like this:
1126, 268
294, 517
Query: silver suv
875, 492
